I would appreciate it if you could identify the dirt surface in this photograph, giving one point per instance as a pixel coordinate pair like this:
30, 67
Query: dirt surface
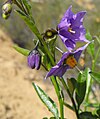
18, 99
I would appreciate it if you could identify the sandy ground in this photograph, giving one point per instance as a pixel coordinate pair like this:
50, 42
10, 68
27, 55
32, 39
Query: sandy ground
18, 99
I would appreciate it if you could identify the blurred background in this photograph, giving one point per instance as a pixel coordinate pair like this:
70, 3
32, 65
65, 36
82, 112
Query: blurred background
18, 99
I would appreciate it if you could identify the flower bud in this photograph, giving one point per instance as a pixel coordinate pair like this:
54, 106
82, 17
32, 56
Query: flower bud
4, 16
50, 33
34, 59
6, 10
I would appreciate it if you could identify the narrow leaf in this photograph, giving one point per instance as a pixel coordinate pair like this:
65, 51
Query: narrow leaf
21, 50
80, 90
90, 48
88, 36
71, 85
98, 111
50, 104
92, 105
88, 81
27, 6
95, 76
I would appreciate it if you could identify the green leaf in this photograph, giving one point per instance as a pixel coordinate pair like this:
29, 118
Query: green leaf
27, 6
71, 85
46, 61
95, 76
50, 104
87, 115
98, 111
51, 46
88, 36
88, 80
21, 50
91, 47
80, 78
92, 105
68, 106
80, 90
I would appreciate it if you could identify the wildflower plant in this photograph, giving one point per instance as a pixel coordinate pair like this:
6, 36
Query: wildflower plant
70, 30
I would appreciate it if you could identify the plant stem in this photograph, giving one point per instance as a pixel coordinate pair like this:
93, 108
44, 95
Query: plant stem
59, 50
34, 29
36, 32
53, 79
67, 105
72, 99
60, 98
95, 59
91, 81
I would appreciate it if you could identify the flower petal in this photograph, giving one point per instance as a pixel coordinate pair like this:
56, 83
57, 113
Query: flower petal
64, 56
78, 52
68, 14
31, 61
57, 71
70, 44
37, 61
78, 19
63, 26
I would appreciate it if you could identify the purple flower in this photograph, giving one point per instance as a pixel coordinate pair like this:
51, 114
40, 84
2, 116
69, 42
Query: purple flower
34, 59
68, 61
71, 29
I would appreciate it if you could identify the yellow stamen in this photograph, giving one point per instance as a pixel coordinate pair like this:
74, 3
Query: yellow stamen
70, 30
71, 61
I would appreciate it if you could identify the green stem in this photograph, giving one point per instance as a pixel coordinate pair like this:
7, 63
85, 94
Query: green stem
72, 99
54, 81
60, 98
35, 30
67, 105
93, 68
95, 59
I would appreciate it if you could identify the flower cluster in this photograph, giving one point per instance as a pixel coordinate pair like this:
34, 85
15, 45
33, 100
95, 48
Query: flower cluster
71, 31
7, 9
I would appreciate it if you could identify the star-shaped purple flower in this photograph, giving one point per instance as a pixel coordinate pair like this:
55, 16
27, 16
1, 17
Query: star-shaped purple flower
71, 29
34, 59
68, 61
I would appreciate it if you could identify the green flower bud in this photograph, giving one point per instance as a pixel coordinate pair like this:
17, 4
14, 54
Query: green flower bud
50, 33
4, 16
6, 8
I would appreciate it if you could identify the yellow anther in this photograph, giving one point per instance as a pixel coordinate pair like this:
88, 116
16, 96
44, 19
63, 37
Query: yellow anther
71, 61
70, 30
